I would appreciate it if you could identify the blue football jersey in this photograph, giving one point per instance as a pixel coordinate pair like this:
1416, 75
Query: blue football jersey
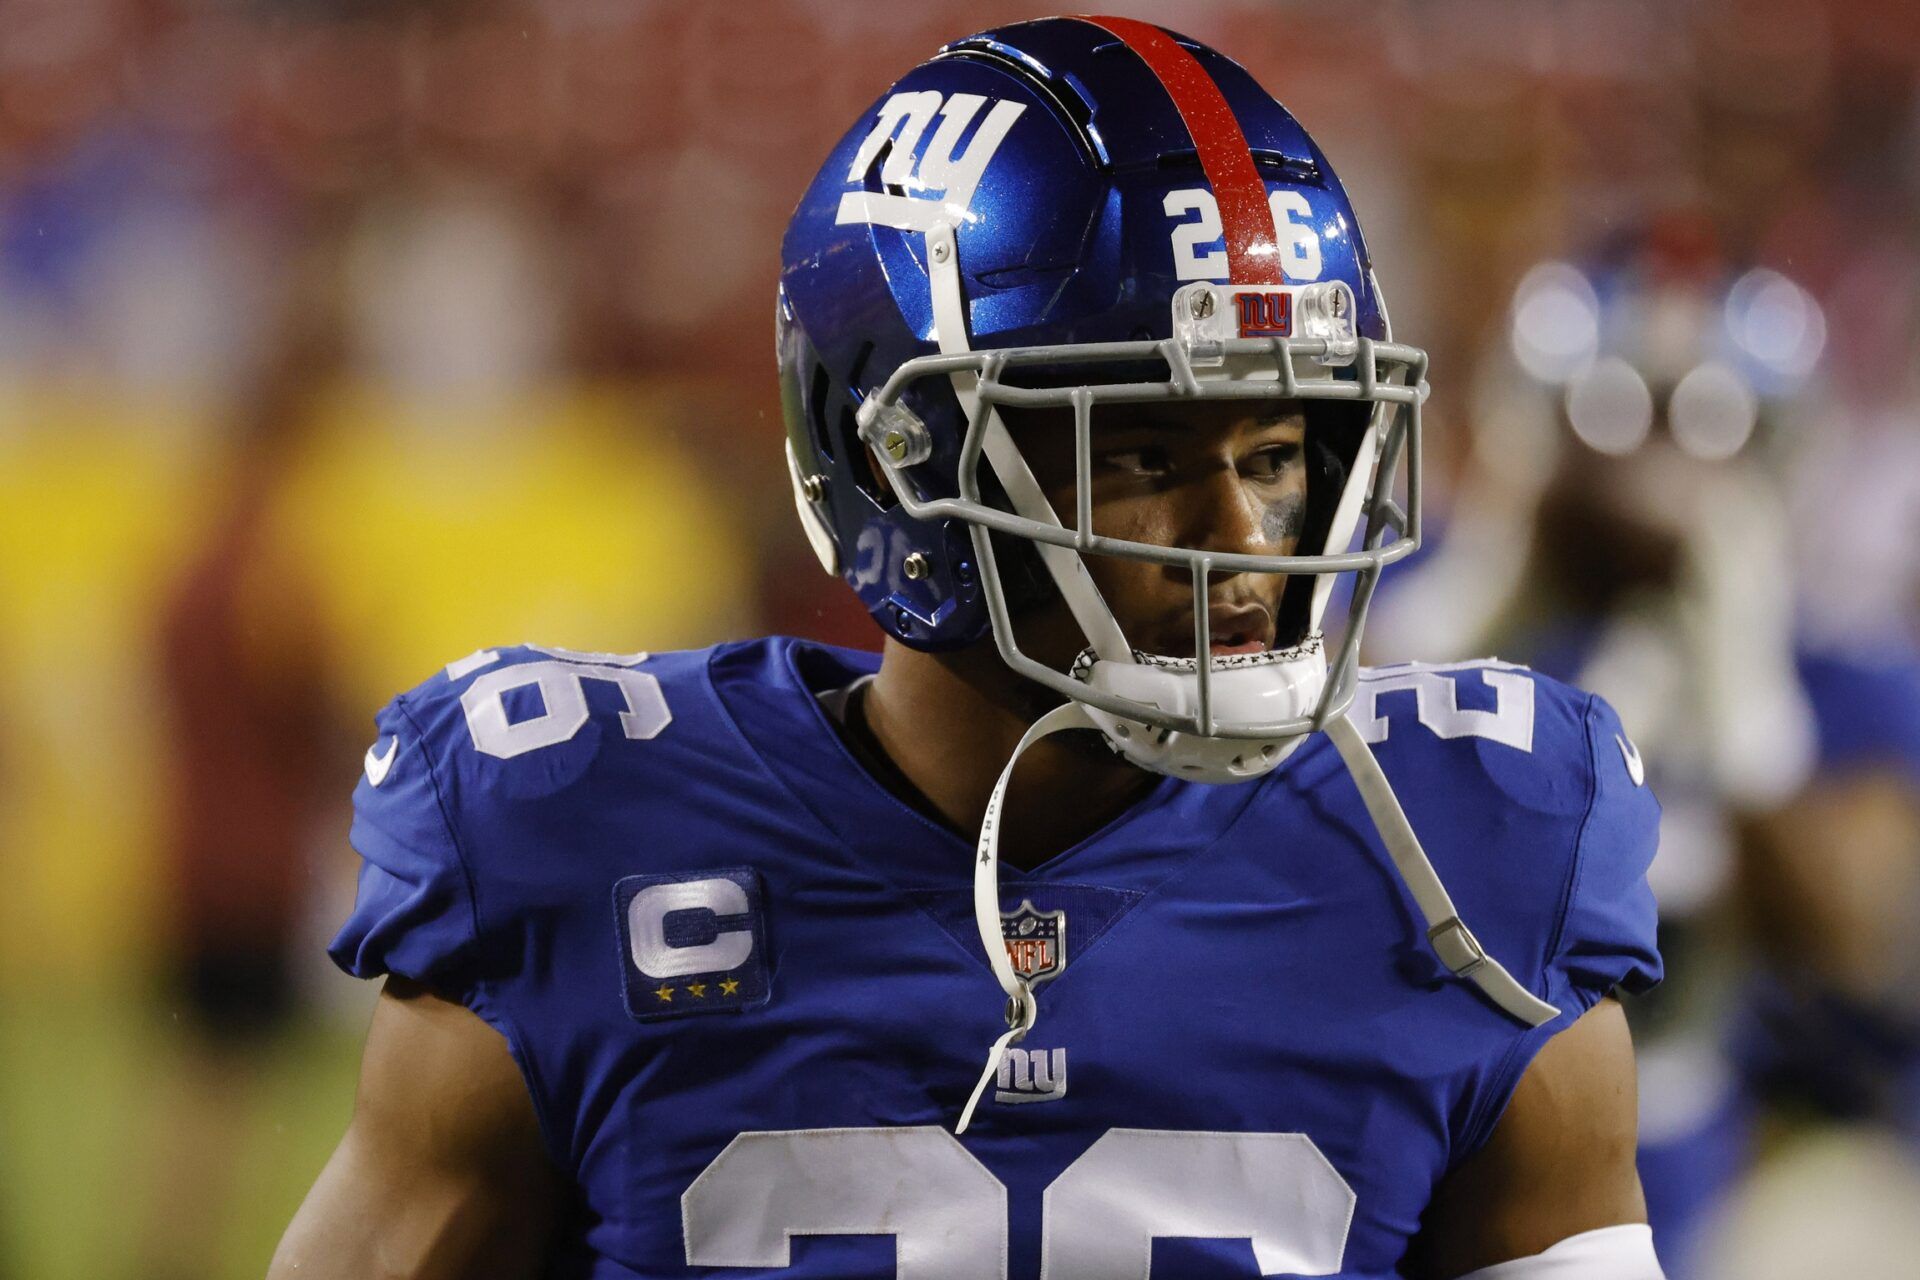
745, 987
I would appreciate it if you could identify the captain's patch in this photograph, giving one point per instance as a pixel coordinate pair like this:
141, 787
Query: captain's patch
692, 943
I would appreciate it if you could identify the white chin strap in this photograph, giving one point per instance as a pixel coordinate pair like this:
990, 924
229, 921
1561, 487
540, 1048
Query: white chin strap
1022, 1008
1248, 689
1450, 938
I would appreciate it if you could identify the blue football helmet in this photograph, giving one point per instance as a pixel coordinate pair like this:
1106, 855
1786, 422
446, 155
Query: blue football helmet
1069, 213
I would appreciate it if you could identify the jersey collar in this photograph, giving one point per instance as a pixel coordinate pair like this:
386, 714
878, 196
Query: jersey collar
770, 691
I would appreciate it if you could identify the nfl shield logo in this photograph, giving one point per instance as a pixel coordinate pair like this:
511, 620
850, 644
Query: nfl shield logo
1036, 941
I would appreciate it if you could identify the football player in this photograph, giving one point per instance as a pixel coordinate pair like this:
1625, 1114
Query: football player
778, 959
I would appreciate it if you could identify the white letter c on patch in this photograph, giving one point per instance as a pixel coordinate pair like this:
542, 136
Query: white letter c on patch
647, 928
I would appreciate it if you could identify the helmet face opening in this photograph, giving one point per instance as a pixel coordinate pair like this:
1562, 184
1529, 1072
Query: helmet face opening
1053, 219
1359, 430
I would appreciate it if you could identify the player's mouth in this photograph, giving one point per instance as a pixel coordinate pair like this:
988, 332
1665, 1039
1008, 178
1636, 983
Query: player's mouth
1234, 628
1240, 628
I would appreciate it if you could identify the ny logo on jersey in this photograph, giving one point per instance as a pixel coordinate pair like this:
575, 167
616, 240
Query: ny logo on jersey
1031, 1075
1036, 941
920, 188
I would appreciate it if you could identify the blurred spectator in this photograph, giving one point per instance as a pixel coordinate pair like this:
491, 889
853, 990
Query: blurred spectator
253, 728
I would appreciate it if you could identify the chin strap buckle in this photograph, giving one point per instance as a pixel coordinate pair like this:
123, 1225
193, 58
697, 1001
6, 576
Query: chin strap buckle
1457, 948
1022, 1010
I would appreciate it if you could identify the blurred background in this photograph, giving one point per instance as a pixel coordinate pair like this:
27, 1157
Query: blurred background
338, 339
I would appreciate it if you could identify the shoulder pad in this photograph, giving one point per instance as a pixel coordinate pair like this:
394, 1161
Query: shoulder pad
447, 757
486, 711
1532, 803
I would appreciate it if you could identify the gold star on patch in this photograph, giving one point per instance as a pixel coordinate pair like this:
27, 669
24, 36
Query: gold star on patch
665, 993
728, 987
698, 990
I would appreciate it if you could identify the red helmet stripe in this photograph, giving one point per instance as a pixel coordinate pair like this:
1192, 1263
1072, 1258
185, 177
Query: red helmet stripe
1252, 243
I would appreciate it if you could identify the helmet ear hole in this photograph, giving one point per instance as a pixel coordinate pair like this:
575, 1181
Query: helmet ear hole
817, 393
836, 434
872, 480
862, 466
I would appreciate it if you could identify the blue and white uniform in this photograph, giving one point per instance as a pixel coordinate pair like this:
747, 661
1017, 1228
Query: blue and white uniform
745, 987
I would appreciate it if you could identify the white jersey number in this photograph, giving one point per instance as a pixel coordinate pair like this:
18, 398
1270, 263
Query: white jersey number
948, 1214
1437, 702
562, 694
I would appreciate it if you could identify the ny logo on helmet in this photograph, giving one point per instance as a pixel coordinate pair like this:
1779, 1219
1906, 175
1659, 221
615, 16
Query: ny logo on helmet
1264, 314
919, 188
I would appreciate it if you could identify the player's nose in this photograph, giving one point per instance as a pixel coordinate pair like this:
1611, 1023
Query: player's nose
1221, 514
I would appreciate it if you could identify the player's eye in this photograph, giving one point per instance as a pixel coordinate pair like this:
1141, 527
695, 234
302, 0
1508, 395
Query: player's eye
1147, 460
1271, 463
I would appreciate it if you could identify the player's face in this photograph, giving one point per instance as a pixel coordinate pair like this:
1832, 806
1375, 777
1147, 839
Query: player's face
1215, 477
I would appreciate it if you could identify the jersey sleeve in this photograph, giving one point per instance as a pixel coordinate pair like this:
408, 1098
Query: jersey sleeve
413, 913
1608, 930
1604, 932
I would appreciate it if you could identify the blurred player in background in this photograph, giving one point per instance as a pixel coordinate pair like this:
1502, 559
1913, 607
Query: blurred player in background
1638, 441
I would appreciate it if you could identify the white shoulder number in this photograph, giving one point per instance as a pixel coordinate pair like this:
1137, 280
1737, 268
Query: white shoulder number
1437, 702
562, 694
